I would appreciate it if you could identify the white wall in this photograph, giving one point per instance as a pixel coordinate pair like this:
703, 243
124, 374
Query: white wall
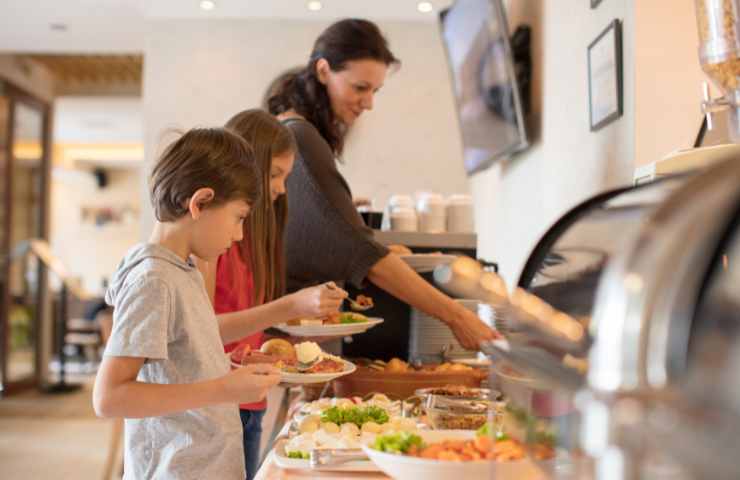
88, 251
201, 73
516, 201
98, 119
89, 128
668, 81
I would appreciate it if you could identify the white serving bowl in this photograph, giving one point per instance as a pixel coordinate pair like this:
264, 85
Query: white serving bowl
403, 467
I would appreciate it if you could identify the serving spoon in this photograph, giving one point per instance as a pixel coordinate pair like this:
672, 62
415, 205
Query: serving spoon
353, 304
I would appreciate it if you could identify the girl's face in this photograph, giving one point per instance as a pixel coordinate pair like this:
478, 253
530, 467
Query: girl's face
282, 165
219, 228
351, 90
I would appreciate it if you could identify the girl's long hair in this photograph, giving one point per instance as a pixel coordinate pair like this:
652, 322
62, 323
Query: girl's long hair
262, 245
342, 42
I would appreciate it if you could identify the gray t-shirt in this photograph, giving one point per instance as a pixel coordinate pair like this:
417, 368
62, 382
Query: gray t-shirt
162, 313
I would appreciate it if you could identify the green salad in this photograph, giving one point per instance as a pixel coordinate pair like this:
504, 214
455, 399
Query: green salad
299, 455
397, 442
356, 415
535, 430
487, 431
350, 317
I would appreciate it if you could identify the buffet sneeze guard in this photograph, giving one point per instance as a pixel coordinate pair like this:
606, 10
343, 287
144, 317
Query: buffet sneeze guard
626, 321
561, 279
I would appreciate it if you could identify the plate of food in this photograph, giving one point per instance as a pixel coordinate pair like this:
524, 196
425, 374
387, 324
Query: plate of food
298, 460
441, 455
344, 323
473, 362
303, 363
342, 430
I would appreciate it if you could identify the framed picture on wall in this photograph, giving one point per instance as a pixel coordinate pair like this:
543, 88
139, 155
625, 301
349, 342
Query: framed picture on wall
605, 76
595, 3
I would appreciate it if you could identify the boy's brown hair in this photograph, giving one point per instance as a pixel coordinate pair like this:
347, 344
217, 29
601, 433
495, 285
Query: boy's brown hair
204, 158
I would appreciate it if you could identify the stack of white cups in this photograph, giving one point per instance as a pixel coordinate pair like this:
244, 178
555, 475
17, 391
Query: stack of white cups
402, 215
460, 214
432, 210
431, 213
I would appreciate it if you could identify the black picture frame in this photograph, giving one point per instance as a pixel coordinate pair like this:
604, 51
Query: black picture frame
595, 3
605, 83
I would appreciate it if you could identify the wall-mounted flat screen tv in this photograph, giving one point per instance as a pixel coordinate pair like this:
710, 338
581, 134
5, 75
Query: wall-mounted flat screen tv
476, 36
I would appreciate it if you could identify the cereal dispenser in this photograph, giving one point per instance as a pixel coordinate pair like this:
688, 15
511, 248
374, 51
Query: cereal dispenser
719, 52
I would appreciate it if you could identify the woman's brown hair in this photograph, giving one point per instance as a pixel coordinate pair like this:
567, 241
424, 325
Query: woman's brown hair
262, 246
342, 42
203, 157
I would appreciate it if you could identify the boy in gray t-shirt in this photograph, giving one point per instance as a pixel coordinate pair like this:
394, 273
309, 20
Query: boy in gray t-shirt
164, 368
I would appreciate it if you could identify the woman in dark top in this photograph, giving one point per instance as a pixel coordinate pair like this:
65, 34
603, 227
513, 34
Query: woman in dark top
326, 238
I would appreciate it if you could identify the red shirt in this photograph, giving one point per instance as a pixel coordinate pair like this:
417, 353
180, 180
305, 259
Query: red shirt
234, 286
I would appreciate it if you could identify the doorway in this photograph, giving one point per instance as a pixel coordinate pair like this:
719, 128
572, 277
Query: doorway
24, 186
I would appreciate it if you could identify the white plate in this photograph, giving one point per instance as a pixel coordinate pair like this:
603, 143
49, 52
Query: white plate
282, 461
473, 362
426, 262
329, 330
307, 378
401, 466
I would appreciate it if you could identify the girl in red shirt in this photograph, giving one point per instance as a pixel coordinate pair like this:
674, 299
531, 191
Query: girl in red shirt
249, 279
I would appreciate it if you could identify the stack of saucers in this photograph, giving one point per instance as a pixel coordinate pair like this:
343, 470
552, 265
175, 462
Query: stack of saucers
429, 337
495, 317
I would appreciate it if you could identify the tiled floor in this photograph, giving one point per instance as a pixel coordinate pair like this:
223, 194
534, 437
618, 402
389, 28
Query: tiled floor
52, 448
58, 436
52, 436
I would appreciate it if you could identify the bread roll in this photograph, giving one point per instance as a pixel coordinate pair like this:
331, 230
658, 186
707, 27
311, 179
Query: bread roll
278, 347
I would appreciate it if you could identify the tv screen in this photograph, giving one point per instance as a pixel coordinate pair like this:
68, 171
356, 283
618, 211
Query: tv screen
476, 36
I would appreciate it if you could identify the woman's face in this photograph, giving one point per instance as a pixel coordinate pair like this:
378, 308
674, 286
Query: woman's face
282, 165
351, 90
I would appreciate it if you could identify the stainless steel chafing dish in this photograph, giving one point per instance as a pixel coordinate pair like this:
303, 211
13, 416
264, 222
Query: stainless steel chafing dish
629, 306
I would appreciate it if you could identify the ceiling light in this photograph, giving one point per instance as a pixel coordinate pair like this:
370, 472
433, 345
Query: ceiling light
314, 6
424, 7
207, 5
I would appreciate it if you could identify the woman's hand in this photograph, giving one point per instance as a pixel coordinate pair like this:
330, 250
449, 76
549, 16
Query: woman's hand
250, 383
470, 330
318, 301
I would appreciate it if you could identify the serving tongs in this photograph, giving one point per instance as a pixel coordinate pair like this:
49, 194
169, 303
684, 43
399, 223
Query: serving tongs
329, 457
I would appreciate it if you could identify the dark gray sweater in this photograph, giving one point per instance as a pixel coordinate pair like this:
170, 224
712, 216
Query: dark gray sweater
326, 238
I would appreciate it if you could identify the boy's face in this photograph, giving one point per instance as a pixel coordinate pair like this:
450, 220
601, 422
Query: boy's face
217, 228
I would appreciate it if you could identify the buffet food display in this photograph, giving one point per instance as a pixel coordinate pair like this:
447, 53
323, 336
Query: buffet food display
467, 428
